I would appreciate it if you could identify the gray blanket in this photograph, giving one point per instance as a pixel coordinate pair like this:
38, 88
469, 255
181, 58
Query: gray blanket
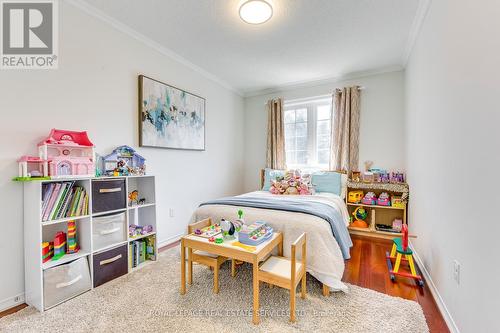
321, 210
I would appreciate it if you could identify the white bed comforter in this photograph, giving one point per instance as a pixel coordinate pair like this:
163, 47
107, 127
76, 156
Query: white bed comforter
324, 258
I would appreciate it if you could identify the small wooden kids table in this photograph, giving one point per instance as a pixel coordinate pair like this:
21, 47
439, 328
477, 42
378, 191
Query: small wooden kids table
226, 249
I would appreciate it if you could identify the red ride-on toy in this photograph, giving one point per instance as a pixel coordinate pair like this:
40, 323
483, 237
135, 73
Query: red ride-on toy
400, 248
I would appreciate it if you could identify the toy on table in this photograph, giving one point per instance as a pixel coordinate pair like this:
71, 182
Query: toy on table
359, 214
400, 247
197, 232
397, 201
245, 247
47, 251
219, 240
383, 199
369, 199
72, 244
124, 161
228, 229
210, 231
59, 245
240, 221
211, 239
255, 233
355, 196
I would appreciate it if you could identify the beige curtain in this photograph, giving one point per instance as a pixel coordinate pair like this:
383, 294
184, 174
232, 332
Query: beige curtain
275, 135
344, 145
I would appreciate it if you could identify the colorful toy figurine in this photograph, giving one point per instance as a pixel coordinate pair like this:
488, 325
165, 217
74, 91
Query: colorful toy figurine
383, 199
68, 153
400, 247
124, 159
31, 167
59, 245
47, 251
133, 197
397, 201
359, 214
369, 199
355, 196
356, 176
72, 244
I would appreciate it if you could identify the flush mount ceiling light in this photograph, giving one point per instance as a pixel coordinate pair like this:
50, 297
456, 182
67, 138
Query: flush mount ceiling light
256, 11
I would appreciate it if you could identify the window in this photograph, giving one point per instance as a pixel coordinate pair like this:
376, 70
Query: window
307, 133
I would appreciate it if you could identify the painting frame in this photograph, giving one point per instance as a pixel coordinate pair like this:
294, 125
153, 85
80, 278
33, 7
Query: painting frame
142, 141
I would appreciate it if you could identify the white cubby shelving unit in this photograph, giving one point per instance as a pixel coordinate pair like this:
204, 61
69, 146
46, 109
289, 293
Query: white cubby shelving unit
37, 231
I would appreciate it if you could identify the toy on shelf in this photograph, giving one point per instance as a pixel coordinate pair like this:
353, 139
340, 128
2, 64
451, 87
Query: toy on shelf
59, 245
397, 201
255, 233
72, 244
31, 168
397, 177
359, 214
397, 225
369, 199
356, 176
68, 154
384, 199
355, 196
400, 247
47, 251
135, 230
133, 198
124, 161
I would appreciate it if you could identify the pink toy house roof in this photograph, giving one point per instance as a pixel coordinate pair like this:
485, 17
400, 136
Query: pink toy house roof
27, 158
63, 137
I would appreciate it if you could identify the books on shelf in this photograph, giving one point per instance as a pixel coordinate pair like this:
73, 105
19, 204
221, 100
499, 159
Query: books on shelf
63, 199
141, 250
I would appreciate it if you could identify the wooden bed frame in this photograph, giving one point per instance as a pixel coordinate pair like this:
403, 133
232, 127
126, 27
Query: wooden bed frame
326, 289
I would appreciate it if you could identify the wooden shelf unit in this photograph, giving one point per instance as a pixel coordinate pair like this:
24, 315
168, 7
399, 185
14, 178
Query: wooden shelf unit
36, 231
378, 214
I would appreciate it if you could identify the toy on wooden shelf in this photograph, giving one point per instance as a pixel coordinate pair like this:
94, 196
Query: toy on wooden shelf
69, 154
124, 161
360, 214
397, 177
369, 199
383, 199
397, 225
31, 168
47, 251
72, 244
397, 201
355, 196
59, 245
400, 247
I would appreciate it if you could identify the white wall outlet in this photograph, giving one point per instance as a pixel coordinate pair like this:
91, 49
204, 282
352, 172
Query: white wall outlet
456, 271
171, 212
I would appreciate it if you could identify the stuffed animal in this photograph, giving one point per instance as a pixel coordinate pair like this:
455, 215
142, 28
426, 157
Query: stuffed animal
292, 183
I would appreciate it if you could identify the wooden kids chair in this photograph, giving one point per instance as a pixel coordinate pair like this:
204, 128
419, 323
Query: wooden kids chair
287, 273
399, 248
204, 258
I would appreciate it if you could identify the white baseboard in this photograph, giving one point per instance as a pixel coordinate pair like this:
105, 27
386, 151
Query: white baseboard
11, 302
435, 293
168, 241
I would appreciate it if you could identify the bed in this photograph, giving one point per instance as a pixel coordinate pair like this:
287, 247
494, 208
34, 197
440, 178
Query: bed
322, 216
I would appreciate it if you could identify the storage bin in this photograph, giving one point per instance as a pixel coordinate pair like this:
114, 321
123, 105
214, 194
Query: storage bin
63, 282
110, 264
108, 195
108, 230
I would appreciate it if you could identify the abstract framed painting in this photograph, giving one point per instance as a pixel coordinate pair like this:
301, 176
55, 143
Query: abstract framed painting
170, 117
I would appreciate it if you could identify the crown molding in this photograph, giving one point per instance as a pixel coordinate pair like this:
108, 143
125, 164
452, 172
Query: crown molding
418, 21
322, 81
97, 13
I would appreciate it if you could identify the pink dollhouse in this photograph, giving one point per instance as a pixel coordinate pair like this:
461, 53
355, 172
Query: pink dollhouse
68, 153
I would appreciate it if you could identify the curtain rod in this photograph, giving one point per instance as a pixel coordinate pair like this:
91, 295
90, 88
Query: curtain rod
305, 99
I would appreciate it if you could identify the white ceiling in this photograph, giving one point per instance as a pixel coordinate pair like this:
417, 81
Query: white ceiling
305, 40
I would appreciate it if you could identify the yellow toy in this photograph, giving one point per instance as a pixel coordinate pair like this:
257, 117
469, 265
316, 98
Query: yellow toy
397, 202
355, 196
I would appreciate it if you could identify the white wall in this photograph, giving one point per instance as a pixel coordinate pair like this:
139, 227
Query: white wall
95, 89
381, 128
453, 138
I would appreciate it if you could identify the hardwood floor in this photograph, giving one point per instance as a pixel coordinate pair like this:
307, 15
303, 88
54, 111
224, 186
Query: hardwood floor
367, 268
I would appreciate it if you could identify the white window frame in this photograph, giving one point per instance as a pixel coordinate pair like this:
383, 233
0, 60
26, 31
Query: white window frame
311, 104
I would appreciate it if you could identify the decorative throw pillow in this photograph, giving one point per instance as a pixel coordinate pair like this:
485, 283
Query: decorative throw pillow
269, 176
327, 181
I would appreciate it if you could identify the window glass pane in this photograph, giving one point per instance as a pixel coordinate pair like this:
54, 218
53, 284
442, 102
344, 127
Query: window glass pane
323, 141
301, 157
324, 112
289, 143
289, 116
290, 158
301, 129
289, 130
323, 156
324, 127
301, 143
301, 115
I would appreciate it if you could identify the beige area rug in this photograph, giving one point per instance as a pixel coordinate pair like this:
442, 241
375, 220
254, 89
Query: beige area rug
149, 301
